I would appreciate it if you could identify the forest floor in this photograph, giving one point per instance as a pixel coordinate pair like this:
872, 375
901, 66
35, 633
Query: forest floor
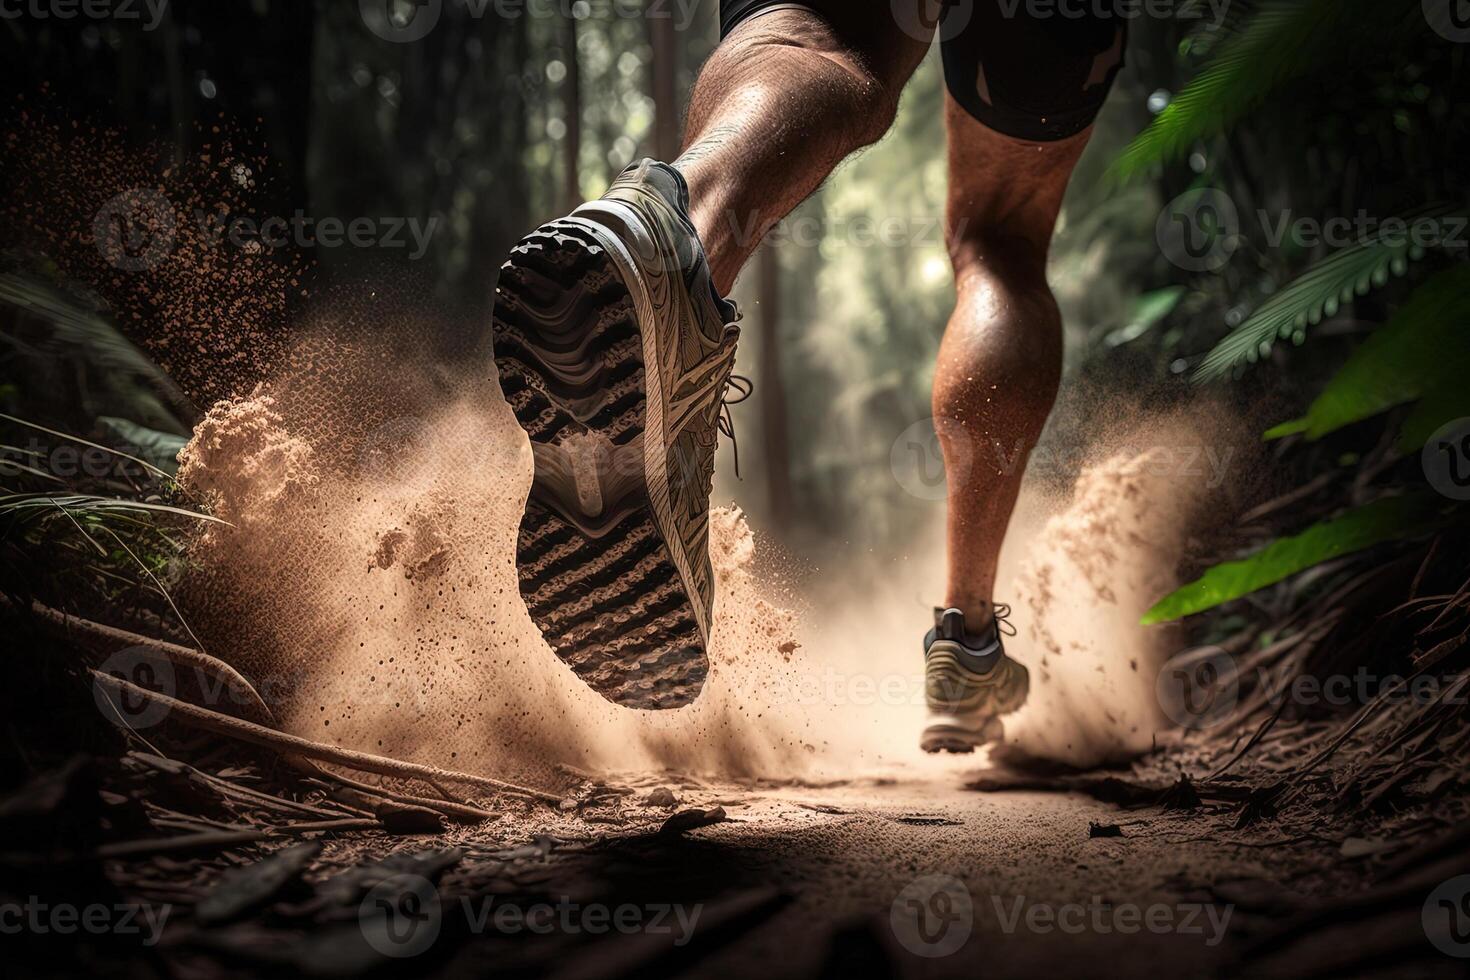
965, 872
1283, 843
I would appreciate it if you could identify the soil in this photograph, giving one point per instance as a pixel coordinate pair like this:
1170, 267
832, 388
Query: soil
816, 880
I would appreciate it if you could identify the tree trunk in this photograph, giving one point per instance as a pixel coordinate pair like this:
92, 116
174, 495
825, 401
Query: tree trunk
274, 91
775, 437
572, 103
665, 46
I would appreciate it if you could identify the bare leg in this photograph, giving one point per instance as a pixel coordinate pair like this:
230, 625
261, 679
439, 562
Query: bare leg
1001, 359
783, 100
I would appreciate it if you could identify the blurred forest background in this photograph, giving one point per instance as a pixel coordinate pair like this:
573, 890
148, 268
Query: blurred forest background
493, 124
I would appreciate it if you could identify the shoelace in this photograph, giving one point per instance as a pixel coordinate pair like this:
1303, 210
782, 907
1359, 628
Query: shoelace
743, 387
1002, 613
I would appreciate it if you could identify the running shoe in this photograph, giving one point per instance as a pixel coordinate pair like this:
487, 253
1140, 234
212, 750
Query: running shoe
969, 683
615, 352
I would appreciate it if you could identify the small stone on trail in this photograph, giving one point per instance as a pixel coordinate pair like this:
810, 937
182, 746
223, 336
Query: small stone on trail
692, 819
663, 796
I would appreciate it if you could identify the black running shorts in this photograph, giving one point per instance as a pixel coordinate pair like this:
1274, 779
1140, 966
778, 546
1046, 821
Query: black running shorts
1035, 70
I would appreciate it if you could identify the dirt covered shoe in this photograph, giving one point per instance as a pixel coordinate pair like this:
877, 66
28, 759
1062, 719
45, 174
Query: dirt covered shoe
969, 682
614, 351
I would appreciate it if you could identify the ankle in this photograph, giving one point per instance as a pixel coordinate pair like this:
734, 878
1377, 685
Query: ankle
720, 233
979, 614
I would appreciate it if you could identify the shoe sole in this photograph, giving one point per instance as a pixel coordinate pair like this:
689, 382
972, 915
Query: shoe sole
596, 572
960, 741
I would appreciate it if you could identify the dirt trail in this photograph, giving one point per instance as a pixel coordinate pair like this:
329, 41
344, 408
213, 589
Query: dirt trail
901, 874
371, 564
885, 867
367, 583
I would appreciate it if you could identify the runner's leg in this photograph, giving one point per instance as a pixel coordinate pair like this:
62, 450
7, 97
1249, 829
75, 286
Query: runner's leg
783, 100
1001, 358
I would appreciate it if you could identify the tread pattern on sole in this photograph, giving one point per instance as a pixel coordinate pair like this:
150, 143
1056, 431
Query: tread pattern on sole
603, 590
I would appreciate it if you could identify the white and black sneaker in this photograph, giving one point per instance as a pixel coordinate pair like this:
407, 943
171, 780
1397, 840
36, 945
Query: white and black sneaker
969, 683
615, 352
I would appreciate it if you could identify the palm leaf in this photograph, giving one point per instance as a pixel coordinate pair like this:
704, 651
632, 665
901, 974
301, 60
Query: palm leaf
1383, 520
1207, 40
1284, 40
1316, 294
74, 325
1419, 353
77, 439
1148, 310
67, 328
1449, 399
159, 449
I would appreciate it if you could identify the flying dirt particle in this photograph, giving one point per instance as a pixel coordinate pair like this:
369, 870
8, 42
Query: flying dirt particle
154, 237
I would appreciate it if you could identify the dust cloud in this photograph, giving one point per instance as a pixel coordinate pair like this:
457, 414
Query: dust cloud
367, 587
366, 581
1098, 536
1082, 572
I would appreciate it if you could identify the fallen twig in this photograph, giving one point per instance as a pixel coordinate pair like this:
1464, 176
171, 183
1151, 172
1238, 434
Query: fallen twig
463, 812
224, 673
158, 845
225, 787
269, 738
217, 669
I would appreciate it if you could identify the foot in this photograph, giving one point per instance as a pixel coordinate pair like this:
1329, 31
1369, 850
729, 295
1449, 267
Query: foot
614, 351
969, 682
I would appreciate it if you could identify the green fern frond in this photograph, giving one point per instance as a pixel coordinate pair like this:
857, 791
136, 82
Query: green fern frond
1316, 295
1387, 519
31, 308
1284, 40
1205, 41
1419, 353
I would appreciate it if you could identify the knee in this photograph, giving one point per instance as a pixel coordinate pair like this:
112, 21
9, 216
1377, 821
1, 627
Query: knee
877, 108
990, 248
